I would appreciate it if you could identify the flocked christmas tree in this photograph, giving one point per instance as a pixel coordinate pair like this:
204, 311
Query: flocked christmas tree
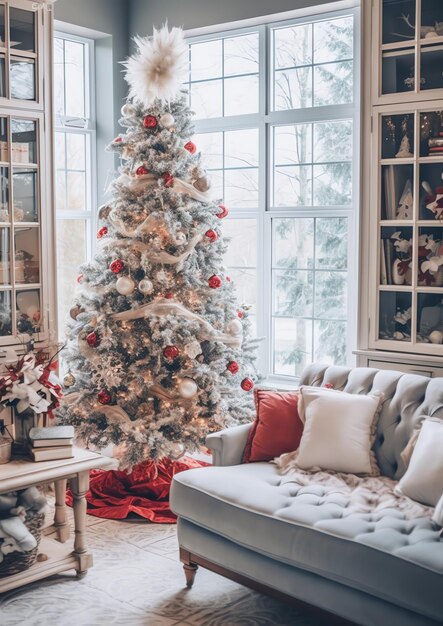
158, 349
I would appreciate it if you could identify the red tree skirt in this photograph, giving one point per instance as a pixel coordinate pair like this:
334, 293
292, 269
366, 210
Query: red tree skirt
115, 494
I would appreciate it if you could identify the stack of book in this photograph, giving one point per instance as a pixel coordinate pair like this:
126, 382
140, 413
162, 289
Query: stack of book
436, 144
51, 443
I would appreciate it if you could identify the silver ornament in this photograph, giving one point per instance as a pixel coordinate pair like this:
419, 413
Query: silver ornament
145, 286
187, 388
234, 327
202, 184
127, 109
125, 285
179, 239
69, 380
166, 120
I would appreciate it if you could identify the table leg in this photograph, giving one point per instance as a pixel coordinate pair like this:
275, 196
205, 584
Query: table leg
79, 487
60, 518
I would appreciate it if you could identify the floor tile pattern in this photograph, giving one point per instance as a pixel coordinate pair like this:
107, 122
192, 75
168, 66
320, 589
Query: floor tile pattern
137, 580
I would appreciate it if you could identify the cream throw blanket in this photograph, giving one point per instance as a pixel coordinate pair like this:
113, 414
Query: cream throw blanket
365, 494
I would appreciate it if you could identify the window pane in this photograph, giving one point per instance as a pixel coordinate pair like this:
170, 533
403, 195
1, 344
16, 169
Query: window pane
216, 180
292, 345
60, 190
333, 140
75, 78
330, 342
206, 60
59, 76
60, 147
293, 186
71, 254
245, 281
206, 99
211, 147
241, 95
5, 313
241, 188
331, 241
293, 46
293, 144
241, 148
76, 191
330, 295
28, 311
293, 89
293, 243
27, 256
24, 189
5, 277
22, 25
242, 249
24, 141
241, 55
333, 83
75, 151
333, 40
332, 184
293, 293
22, 79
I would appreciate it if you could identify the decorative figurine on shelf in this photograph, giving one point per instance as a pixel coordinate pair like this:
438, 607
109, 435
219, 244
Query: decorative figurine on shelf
434, 200
406, 203
404, 151
409, 82
427, 248
426, 32
401, 267
432, 267
404, 319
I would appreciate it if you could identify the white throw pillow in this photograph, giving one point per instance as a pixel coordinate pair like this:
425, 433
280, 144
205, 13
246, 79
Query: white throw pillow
423, 480
339, 430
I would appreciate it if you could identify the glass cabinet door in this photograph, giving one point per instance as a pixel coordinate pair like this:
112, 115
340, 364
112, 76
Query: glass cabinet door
411, 46
18, 52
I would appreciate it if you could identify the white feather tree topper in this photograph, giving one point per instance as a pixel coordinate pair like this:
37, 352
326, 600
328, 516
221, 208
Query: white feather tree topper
157, 69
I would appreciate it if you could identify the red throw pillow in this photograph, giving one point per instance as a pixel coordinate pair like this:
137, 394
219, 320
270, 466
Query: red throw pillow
277, 427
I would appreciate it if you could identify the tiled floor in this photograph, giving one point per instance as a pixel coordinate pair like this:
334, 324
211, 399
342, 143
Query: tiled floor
137, 580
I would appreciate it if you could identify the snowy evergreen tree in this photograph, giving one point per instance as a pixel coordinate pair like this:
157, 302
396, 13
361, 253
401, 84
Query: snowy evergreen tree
158, 349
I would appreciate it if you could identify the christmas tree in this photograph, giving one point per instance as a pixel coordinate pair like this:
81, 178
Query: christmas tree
157, 347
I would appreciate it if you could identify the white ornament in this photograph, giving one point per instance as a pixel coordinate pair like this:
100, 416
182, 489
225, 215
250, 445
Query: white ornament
161, 276
436, 336
166, 120
202, 184
145, 286
125, 285
397, 278
193, 349
234, 327
187, 388
179, 239
127, 109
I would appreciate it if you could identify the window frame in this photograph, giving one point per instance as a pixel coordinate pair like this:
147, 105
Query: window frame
69, 124
264, 120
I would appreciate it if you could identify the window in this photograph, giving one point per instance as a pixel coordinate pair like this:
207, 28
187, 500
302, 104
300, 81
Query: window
74, 161
277, 123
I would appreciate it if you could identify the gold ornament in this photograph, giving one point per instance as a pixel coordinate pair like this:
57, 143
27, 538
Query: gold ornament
69, 380
104, 211
125, 285
202, 184
75, 311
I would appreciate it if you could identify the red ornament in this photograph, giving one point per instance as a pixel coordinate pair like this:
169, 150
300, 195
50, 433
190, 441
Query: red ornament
240, 314
141, 170
170, 352
168, 179
224, 211
116, 266
92, 339
104, 397
169, 295
211, 235
118, 140
80, 278
233, 367
247, 384
190, 147
150, 121
102, 232
214, 282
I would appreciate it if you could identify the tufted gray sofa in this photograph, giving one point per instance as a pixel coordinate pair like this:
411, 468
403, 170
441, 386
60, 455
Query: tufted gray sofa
293, 542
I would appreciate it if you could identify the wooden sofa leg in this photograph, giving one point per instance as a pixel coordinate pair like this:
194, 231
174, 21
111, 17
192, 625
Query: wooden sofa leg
189, 567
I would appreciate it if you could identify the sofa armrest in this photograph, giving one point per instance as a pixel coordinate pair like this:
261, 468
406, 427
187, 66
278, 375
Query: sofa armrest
227, 445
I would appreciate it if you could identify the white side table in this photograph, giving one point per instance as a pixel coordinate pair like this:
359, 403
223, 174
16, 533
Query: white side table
22, 473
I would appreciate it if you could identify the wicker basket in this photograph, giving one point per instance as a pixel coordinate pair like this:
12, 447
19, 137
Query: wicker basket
16, 562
